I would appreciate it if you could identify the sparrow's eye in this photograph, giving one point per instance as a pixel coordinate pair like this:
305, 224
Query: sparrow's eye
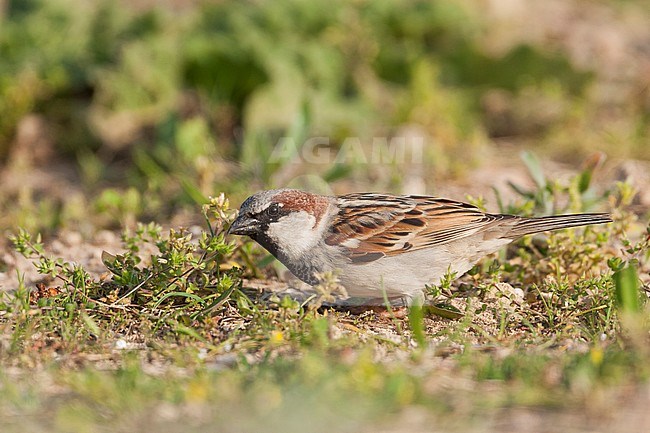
273, 210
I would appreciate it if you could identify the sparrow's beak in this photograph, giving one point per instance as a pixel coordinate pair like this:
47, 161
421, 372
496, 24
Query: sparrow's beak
243, 225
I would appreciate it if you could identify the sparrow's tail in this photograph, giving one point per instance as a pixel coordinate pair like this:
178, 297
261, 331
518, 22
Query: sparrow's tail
526, 226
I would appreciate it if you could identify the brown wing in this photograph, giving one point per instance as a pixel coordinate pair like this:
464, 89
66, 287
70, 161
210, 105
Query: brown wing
371, 226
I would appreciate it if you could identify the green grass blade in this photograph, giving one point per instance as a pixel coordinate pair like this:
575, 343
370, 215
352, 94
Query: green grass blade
416, 322
626, 282
534, 168
181, 294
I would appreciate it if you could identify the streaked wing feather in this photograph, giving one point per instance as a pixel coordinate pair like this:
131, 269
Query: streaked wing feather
372, 226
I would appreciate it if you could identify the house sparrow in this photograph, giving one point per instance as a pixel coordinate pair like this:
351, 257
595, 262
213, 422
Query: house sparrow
381, 242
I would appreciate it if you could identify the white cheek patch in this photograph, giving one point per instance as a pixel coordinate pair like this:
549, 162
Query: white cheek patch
294, 233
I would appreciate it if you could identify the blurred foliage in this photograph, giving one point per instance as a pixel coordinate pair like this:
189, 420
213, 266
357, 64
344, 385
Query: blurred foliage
183, 100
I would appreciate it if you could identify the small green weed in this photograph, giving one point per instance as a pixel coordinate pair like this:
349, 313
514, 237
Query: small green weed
183, 281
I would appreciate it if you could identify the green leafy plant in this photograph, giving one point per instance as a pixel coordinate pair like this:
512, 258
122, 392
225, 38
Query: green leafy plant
183, 280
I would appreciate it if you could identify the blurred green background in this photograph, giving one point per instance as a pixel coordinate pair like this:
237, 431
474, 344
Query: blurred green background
113, 111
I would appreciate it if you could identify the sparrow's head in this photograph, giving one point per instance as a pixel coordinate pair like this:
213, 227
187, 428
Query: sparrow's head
257, 213
284, 220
